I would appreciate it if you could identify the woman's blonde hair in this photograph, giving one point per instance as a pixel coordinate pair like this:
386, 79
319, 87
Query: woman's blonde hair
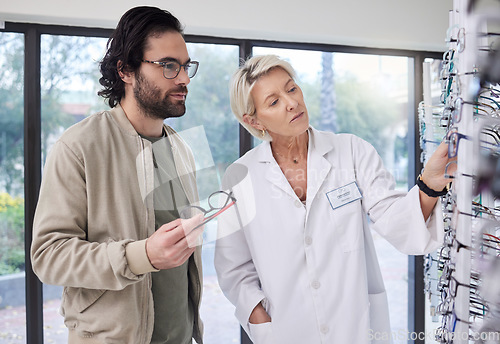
243, 82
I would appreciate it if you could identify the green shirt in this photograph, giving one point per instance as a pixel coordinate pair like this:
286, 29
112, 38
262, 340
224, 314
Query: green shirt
174, 314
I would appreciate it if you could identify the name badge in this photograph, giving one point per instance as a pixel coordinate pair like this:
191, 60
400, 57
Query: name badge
344, 195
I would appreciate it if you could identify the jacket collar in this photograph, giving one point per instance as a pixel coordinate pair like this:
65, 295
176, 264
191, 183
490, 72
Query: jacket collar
121, 118
184, 163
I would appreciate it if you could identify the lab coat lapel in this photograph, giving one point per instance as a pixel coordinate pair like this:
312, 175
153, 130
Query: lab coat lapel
273, 173
318, 167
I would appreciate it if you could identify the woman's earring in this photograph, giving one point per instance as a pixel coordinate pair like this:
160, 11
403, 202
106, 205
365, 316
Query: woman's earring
263, 133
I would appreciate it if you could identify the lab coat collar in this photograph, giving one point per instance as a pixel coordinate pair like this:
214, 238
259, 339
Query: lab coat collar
320, 143
318, 167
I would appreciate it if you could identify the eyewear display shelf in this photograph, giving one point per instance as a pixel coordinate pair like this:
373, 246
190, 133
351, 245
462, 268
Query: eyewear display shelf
462, 106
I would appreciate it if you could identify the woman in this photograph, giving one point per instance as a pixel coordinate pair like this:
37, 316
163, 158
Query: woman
304, 270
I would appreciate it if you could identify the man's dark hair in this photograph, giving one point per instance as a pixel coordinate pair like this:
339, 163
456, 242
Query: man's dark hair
127, 44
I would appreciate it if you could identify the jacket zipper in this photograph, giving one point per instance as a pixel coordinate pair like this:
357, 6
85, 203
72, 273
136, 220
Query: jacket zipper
146, 285
177, 159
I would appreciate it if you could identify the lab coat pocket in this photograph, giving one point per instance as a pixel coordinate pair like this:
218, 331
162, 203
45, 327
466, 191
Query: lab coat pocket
379, 318
348, 223
261, 333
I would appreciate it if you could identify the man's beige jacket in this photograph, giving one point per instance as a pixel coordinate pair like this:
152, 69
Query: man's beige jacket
94, 213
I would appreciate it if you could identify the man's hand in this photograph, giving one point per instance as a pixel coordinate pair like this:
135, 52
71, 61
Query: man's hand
174, 242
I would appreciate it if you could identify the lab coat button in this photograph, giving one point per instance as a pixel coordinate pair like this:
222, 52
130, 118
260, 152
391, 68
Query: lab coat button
315, 284
324, 329
308, 240
298, 204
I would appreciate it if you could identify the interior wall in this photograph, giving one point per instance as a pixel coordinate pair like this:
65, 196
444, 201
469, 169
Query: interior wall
398, 24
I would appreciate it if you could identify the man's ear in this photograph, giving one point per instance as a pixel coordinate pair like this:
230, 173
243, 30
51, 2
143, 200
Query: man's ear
253, 121
125, 74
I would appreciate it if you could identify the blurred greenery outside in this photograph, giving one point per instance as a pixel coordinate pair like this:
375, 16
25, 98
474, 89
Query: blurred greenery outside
69, 79
11, 234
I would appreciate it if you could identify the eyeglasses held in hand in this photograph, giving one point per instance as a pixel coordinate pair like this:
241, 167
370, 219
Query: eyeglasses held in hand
172, 68
219, 202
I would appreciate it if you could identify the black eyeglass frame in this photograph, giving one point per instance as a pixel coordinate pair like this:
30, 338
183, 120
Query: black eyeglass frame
186, 66
219, 209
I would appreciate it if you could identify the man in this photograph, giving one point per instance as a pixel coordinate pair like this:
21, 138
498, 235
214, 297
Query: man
105, 227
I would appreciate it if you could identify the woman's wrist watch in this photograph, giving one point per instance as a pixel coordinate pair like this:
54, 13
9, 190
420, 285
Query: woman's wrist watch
428, 191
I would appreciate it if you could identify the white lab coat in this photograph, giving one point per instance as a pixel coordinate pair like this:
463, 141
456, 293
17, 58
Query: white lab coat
315, 267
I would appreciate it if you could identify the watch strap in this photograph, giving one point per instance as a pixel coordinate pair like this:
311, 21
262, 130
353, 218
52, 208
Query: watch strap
428, 191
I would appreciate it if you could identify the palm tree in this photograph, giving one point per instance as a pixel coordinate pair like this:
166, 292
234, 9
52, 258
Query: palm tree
328, 106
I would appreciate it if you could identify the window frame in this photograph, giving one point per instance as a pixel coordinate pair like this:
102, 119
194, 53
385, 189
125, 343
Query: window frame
33, 163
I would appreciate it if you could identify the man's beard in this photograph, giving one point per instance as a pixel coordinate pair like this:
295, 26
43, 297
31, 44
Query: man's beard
153, 105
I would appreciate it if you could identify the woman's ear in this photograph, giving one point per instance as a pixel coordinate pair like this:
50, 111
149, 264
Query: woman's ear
253, 121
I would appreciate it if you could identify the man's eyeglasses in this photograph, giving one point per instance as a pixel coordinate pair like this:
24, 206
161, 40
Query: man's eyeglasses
219, 201
172, 68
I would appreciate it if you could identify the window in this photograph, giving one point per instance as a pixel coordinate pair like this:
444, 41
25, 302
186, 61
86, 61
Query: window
12, 303
69, 83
